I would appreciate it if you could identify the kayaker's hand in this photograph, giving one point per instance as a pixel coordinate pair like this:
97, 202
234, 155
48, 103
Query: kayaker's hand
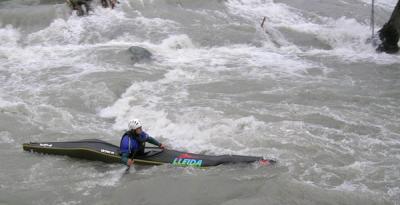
162, 146
130, 162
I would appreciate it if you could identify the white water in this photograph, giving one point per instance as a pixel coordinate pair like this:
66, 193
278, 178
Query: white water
306, 90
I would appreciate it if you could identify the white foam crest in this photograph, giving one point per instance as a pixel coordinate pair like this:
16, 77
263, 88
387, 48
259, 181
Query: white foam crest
348, 39
180, 127
212, 133
156, 24
255, 10
176, 42
277, 15
62, 43
9, 37
337, 32
142, 93
15, 107
346, 36
31, 59
247, 60
386, 4
76, 30
51, 117
51, 35
147, 100
279, 63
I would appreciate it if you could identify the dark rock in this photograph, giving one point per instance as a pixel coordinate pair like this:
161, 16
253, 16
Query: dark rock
390, 32
140, 54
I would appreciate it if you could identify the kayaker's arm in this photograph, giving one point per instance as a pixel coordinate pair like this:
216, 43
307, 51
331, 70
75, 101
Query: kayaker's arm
153, 141
125, 158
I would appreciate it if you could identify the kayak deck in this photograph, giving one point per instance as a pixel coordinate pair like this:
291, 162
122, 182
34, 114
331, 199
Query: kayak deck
98, 150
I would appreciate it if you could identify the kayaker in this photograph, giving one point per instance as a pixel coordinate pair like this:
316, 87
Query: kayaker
133, 142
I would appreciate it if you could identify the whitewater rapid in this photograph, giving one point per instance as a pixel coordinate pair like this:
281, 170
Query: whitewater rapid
306, 90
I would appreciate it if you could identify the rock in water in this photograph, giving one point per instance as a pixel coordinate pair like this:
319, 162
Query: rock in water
390, 32
140, 54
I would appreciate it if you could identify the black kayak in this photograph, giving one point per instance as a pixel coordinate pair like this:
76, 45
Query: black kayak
98, 150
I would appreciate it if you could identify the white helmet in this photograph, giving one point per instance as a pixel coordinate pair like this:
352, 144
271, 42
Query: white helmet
134, 124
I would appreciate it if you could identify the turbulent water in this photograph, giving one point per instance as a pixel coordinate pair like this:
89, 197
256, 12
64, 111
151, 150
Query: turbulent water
306, 90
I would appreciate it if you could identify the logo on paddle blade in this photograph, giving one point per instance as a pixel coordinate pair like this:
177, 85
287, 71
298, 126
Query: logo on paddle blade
186, 160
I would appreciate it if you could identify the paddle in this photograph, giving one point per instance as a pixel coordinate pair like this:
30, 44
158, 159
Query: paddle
127, 169
132, 158
129, 166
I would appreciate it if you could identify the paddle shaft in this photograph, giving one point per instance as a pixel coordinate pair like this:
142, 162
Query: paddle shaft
132, 158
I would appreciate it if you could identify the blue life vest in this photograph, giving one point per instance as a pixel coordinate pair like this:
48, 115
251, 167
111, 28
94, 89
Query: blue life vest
131, 142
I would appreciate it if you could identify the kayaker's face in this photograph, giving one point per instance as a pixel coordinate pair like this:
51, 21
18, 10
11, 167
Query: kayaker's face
138, 130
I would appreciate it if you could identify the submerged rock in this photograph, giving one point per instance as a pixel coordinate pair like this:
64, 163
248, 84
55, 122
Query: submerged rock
140, 54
